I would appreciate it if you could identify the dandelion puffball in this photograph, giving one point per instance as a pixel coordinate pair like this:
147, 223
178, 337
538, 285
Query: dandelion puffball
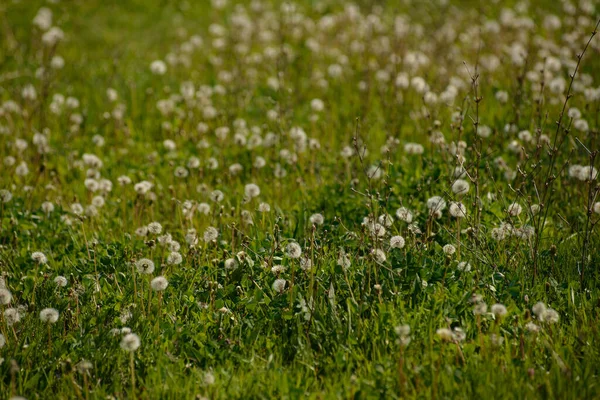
144, 266
159, 283
293, 250
49, 315
279, 285
5, 296
39, 257
130, 342
158, 67
397, 242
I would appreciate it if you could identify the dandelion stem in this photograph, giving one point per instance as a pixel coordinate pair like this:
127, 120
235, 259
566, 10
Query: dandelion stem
49, 339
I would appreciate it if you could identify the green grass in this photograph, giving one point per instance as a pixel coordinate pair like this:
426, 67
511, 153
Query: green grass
220, 329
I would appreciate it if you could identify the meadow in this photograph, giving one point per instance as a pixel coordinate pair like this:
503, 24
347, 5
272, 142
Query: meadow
320, 199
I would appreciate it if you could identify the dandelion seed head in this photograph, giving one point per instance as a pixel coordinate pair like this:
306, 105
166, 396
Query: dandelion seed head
532, 327
209, 378
463, 266
47, 207
84, 367
5, 196
217, 196
251, 190
174, 258
158, 67
210, 234
445, 334
317, 219
305, 263
458, 334
279, 285
39, 257
159, 283
293, 250
130, 342
344, 260
49, 315
457, 209
60, 281
550, 316
402, 330
174, 246
155, 228
386, 220
480, 309
404, 214
77, 209
264, 207
539, 309
397, 242
499, 310
514, 209
278, 269
436, 203
5, 296
449, 249
12, 316
145, 266
230, 263
460, 187
378, 255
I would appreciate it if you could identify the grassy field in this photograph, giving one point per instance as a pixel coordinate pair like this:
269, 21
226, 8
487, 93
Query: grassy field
299, 199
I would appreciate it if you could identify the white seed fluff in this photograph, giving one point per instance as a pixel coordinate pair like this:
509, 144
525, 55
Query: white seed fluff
144, 266
49, 315
397, 242
130, 342
159, 283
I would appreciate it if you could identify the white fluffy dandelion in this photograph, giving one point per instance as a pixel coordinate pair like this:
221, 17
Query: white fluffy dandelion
397, 242
130, 342
158, 67
264, 207
550, 316
499, 310
155, 228
379, 255
293, 250
5, 296
460, 187
39, 257
60, 281
457, 209
251, 190
144, 266
49, 315
12, 316
174, 258
404, 214
317, 219
279, 285
159, 283
539, 309
445, 334
436, 203
210, 234
449, 249
514, 209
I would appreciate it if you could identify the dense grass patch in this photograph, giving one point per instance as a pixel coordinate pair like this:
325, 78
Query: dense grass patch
301, 199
